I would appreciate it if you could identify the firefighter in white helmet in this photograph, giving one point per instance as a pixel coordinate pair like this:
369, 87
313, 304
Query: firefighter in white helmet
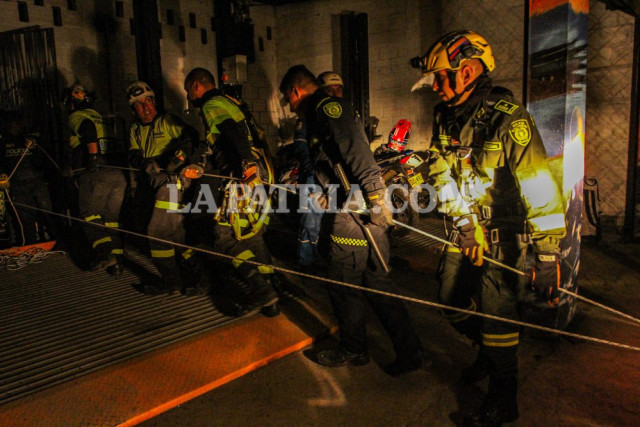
160, 144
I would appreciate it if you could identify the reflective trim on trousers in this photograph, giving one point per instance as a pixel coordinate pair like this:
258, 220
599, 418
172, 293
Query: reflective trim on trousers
501, 340
101, 241
162, 253
241, 257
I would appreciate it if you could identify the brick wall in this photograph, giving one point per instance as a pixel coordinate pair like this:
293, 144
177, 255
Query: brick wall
308, 33
82, 50
398, 30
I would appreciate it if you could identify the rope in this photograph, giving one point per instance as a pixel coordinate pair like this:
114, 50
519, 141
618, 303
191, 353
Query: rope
24, 153
24, 241
521, 273
50, 158
15, 260
349, 285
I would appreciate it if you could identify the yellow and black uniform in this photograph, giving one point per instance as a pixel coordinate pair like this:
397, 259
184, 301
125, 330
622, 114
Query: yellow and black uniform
169, 143
488, 159
100, 189
336, 137
230, 140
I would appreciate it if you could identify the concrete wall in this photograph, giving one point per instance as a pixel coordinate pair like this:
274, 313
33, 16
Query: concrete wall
398, 30
83, 51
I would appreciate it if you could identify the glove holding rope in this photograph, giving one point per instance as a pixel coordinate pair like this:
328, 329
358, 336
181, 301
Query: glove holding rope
30, 144
380, 215
157, 177
545, 277
473, 240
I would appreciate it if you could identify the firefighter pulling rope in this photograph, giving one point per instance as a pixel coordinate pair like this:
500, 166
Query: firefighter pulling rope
521, 273
361, 288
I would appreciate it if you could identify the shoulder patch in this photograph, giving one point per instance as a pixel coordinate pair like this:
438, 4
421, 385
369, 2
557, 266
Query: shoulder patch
520, 132
332, 109
506, 107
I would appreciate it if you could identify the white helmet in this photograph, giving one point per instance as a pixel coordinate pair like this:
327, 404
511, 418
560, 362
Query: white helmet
329, 78
138, 90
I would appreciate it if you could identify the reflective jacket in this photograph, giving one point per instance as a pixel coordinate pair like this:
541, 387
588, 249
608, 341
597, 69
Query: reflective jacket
488, 158
104, 131
226, 132
158, 139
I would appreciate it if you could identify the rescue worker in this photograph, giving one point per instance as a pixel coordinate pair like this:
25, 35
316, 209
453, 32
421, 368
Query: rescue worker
159, 145
489, 167
331, 83
22, 159
230, 141
339, 147
101, 189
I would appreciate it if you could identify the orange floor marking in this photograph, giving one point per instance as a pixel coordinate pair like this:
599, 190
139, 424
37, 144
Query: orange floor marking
47, 246
144, 387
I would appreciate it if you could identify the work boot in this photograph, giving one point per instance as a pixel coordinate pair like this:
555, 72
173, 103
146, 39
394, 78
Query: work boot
499, 406
103, 263
341, 357
478, 371
270, 310
262, 293
405, 364
117, 269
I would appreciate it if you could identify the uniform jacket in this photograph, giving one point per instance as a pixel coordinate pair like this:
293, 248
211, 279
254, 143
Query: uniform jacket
158, 140
336, 135
87, 125
488, 158
226, 131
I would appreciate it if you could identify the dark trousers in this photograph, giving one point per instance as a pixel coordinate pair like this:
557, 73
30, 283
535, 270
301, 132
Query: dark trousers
34, 193
101, 194
498, 290
352, 260
166, 224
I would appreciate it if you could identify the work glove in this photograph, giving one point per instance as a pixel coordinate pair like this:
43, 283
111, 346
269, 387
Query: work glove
30, 144
193, 171
250, 174
4, 181
319, 201
151, 167
66, 171
176, 161
545, 277
473, 239
378, 212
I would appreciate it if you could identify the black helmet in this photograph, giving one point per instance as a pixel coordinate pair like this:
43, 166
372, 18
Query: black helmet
76, 95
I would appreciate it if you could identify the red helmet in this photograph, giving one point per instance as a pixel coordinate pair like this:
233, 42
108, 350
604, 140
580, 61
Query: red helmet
399, 136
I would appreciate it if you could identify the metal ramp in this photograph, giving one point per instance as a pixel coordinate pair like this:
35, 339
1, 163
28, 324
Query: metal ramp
59, 322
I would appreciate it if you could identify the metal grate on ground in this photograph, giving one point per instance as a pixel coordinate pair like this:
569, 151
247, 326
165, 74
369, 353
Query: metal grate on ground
59, 322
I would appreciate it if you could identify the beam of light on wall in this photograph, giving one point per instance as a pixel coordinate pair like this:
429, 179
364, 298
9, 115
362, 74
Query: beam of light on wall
573, 158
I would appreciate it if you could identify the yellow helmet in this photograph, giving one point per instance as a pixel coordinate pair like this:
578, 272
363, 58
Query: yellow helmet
449, 52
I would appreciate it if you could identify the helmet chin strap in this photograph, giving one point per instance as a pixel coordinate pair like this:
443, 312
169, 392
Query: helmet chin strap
452, 85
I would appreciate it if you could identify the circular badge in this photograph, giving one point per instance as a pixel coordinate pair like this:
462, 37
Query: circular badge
333, 110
